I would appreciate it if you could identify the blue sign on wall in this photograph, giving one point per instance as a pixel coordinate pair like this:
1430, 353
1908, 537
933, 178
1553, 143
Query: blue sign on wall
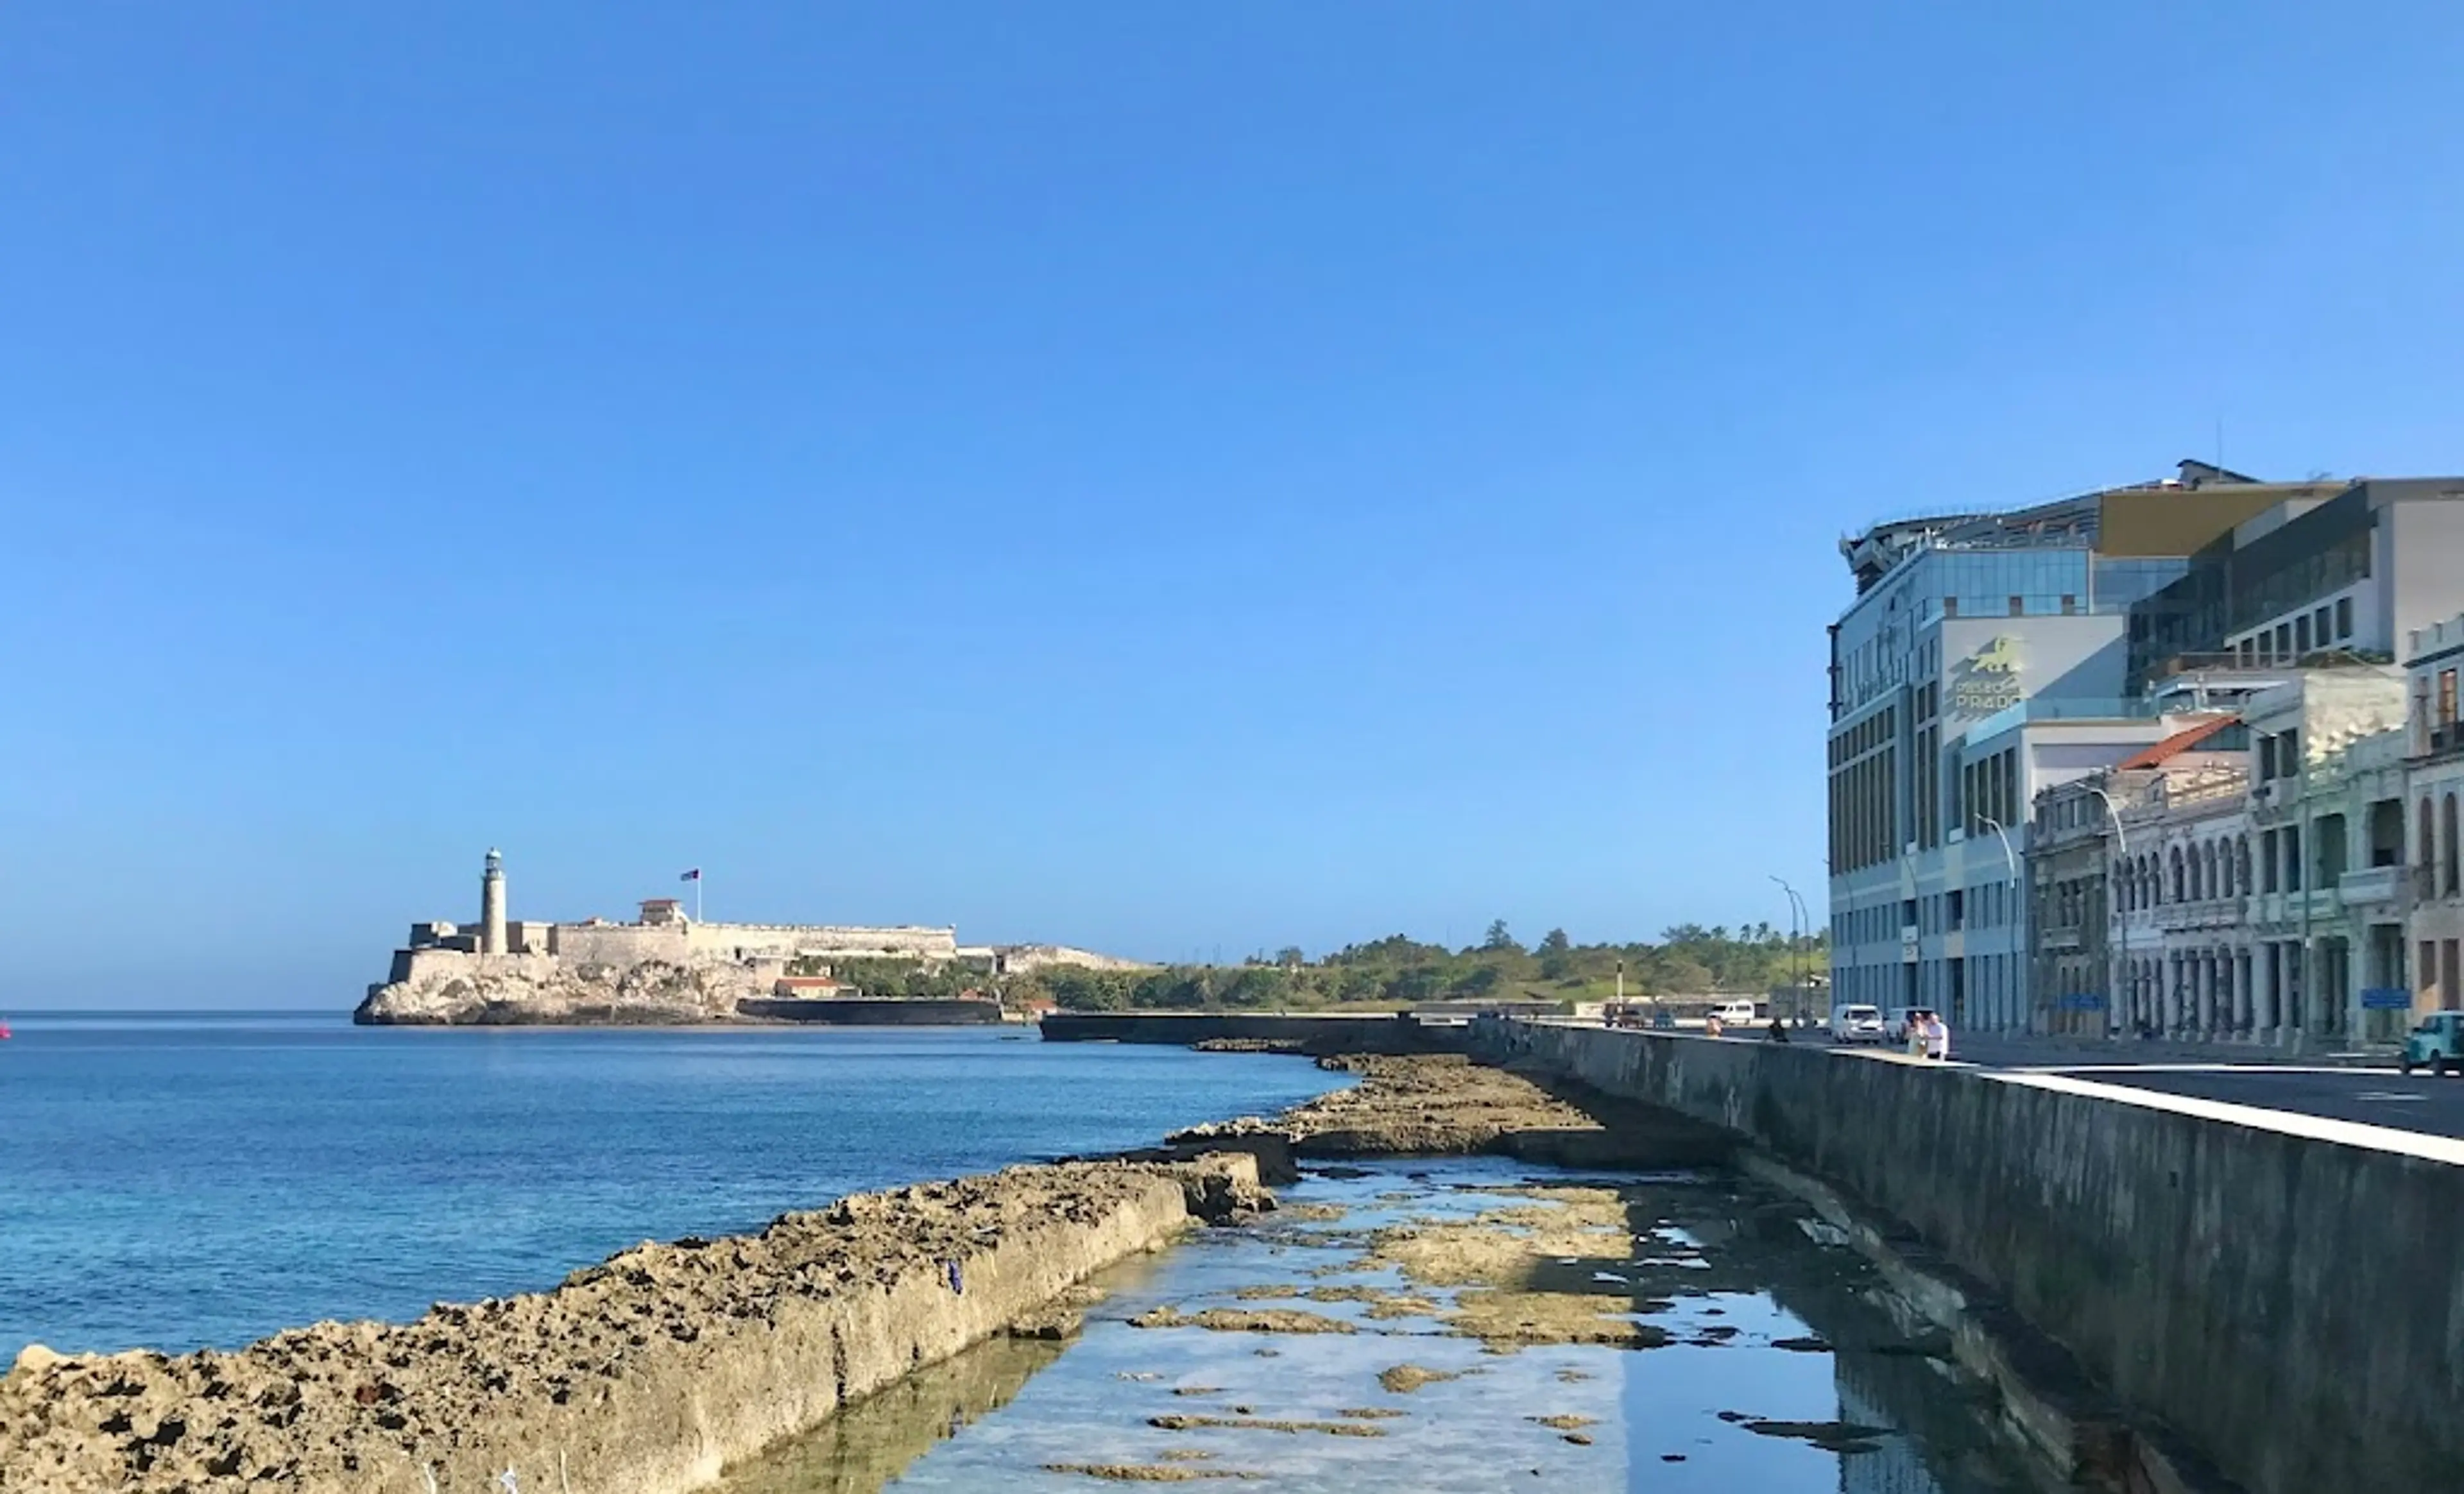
2385, 998
2081, 1002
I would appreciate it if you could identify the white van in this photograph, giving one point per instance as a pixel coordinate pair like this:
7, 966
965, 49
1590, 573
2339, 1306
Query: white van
1857, 1024
1734, 1014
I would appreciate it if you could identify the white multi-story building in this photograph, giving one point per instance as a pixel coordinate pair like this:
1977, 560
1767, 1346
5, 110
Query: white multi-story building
2434, 780
1986, 658
2327, 912
2285, 917
2178, 931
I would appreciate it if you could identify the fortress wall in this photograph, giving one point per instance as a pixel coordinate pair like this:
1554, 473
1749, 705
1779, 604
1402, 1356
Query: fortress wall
1017, 959
620, 944
786, 941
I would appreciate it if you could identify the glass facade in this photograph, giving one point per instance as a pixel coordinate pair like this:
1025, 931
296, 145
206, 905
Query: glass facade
2317, 554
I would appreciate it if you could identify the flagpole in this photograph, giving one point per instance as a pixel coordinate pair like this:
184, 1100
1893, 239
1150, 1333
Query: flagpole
697, 894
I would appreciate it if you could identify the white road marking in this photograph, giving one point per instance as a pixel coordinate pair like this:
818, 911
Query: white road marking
2343, 1132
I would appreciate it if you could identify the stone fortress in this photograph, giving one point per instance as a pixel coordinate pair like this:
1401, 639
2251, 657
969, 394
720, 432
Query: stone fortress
665, 966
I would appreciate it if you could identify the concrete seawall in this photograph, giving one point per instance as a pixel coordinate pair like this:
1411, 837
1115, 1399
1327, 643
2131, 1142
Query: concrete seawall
2282, 1292
1381, 1033
643, 1376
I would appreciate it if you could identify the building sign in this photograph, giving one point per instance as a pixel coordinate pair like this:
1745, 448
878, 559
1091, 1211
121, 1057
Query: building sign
2081, 1002
1987, 680
2386, 998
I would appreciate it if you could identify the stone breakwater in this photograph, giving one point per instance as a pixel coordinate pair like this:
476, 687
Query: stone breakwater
650, 994
646, 1374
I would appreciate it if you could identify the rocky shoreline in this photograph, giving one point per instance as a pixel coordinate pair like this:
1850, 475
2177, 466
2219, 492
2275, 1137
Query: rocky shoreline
656, 1371
642, 1375
1446, 1104
647, 1375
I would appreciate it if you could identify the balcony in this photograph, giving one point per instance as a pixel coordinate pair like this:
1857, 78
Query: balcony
2373, 886
2206, 912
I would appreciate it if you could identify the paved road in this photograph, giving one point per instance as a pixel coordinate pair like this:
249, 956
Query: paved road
2415, 1102
2347, 1086
2346, 1091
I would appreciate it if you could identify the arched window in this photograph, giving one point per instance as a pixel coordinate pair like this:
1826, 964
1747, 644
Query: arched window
2447, 848
2180, 885
2241, 865
2207, 858
2425, 841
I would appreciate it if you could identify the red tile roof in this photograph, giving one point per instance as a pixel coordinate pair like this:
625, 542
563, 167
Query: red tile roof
2180, 742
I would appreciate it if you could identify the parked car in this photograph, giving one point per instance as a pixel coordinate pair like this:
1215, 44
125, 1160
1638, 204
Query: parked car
1902, 1018
2437, 1044
1857, 1024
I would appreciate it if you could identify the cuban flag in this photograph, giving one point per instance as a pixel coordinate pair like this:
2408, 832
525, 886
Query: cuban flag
694, 876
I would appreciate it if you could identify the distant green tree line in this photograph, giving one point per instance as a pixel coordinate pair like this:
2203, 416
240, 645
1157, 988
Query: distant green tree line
1687, 959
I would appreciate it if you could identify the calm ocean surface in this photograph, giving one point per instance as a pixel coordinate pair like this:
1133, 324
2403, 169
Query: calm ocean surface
177, 1180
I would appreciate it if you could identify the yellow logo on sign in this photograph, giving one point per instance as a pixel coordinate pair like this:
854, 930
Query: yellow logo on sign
2001, 656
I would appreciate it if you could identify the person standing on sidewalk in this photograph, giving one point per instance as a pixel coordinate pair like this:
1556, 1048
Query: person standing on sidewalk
1937, 1037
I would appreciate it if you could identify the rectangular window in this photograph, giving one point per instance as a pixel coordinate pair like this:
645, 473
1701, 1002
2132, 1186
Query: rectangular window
2446, 698
2318, 626
2344, 616
2283, 641
2267, 861
2301, 635
2266, 759
2018, 606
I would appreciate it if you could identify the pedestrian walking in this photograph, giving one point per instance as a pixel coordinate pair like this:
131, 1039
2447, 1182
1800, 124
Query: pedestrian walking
1937, 1037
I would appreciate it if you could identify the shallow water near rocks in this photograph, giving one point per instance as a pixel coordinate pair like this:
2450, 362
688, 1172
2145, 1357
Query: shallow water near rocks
172, 1180
1779, 1372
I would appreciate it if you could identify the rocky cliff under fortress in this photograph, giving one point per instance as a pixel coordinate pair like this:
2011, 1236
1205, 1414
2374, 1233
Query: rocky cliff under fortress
542, 991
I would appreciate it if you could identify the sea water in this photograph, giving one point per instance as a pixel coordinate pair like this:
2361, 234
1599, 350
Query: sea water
172, 1181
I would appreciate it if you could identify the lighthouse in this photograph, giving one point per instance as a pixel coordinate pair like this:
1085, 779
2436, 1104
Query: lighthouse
492, 906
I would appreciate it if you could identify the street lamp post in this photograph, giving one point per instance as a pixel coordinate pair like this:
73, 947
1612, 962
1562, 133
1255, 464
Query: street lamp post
2010, 863
1798, 918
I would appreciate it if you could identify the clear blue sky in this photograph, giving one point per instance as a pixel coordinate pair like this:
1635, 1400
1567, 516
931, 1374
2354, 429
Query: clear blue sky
1169, 479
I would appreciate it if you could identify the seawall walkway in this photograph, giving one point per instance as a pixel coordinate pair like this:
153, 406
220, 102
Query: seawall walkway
2280, 1289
